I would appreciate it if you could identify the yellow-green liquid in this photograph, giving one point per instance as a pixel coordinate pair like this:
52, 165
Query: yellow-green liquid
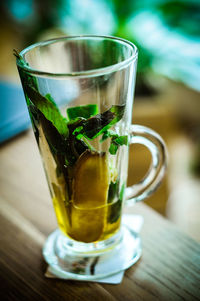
84, 224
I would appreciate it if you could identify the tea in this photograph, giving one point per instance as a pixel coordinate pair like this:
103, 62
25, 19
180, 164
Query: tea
80, 154
79, 92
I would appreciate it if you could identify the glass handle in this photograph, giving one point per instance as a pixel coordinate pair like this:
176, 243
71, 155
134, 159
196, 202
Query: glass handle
151, 181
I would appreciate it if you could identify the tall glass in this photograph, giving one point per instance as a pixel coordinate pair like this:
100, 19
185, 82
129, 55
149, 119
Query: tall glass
79, 92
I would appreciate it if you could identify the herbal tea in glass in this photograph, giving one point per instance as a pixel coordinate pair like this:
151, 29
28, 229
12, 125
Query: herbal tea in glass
79, 93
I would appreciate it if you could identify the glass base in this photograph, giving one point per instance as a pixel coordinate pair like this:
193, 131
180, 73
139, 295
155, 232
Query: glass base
69, 259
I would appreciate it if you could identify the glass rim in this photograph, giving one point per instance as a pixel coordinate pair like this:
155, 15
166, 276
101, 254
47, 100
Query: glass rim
86, 73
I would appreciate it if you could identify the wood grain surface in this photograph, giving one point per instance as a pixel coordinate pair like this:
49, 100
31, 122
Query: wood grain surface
168, 270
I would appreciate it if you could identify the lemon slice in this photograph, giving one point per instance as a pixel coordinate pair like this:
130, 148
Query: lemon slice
90, 186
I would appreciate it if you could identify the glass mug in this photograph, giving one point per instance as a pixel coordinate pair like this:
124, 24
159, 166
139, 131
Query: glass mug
79, 92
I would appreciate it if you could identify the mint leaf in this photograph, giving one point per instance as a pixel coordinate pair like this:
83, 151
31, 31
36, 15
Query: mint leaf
113, 148
114, 210
19, 57
65, 147
113, 191
118, 110
86, 111
116, 140
122, 191
56, 141
100, 123
108, 134
121, 140
49, 109
26, 78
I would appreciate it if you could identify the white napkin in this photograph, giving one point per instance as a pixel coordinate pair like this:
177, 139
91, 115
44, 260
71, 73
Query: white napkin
134, 222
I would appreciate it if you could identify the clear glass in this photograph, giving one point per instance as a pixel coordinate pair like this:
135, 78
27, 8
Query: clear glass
79, 92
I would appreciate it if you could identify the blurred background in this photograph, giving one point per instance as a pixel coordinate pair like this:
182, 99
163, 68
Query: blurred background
167, 96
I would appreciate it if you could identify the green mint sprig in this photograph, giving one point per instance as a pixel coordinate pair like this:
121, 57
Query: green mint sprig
47, 106
85, 111
116, 140
114, 211
100, 123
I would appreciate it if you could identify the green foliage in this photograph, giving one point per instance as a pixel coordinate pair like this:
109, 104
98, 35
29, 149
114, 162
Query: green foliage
114, 211
113, 191
116, 141
48, 108
86, 111
100, 123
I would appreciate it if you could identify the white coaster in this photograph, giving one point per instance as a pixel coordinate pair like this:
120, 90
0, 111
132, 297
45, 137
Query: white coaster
134, 222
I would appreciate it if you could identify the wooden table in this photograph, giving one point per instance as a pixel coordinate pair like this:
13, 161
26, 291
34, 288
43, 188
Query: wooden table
168, 270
